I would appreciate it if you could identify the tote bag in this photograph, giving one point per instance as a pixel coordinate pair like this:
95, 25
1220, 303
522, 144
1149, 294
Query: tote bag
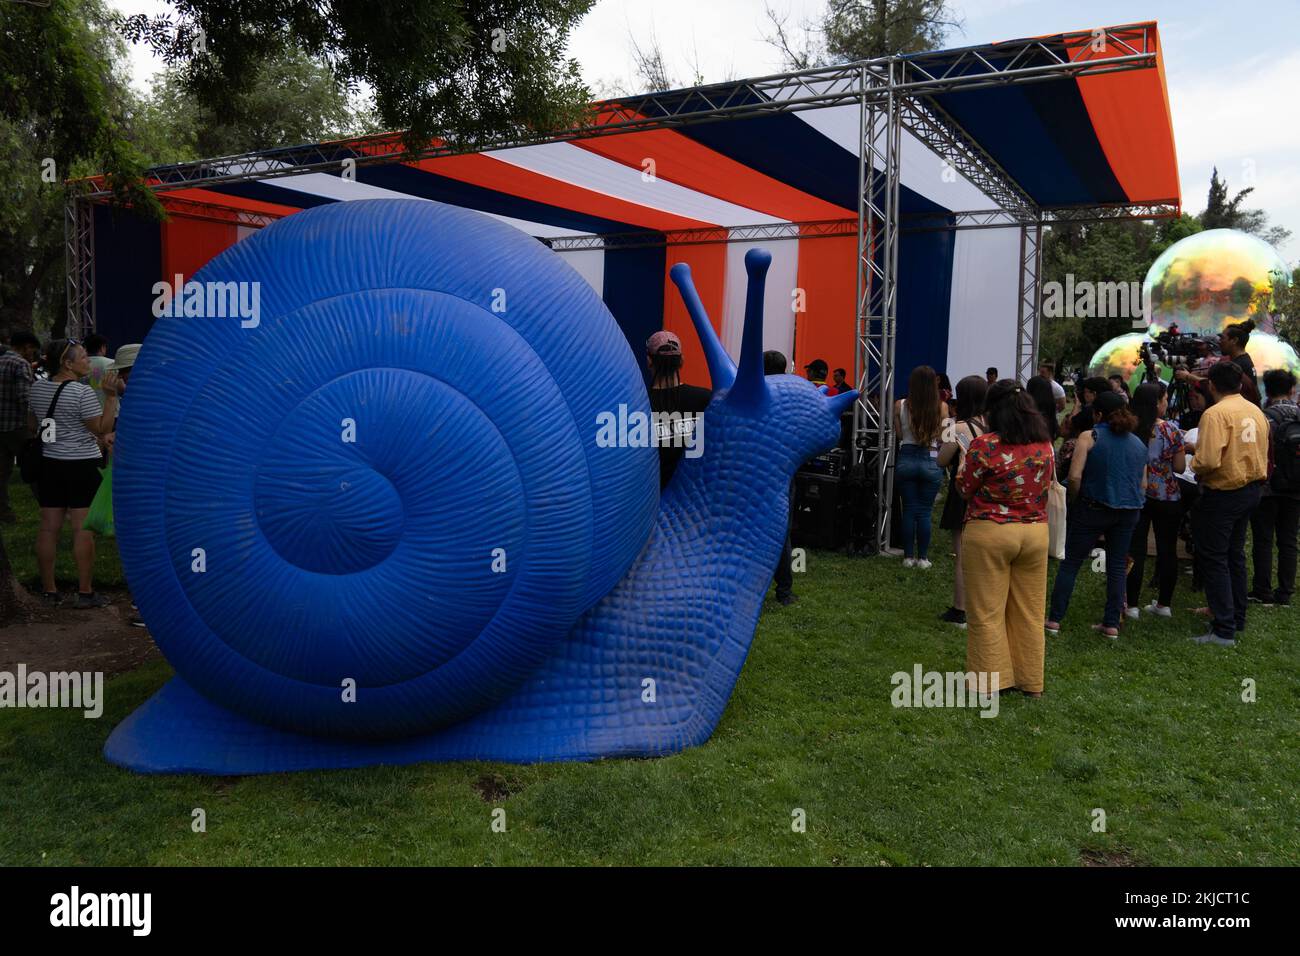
1056, 510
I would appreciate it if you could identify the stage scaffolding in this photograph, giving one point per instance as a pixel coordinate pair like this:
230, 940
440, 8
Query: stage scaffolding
892, 93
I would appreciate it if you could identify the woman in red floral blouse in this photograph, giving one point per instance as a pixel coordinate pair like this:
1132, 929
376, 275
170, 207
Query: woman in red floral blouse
1005, 477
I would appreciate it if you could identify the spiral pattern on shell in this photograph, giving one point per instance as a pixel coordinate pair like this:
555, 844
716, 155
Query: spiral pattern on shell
392, 478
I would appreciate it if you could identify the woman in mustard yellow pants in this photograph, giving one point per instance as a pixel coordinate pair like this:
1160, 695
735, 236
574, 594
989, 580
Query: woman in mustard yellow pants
1004, 477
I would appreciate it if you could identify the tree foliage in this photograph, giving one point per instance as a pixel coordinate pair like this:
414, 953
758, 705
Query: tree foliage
461, 70
1099, 252
65, 112
1222, 212
861, 30
864, 29
1121, 252
293, 99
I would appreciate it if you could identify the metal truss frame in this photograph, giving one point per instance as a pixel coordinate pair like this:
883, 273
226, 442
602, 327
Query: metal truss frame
891, 93
942, 71
79, 266
768, 231
879, 176
1028, 300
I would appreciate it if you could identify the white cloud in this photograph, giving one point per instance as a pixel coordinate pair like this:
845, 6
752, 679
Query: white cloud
1236, 116
725, 37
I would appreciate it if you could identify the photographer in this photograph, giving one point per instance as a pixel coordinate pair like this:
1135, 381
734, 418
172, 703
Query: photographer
1231, 462
1232, 342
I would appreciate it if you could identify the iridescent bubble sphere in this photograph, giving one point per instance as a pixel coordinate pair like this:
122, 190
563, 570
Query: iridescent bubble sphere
1122, 355
1269, 352
1209, 280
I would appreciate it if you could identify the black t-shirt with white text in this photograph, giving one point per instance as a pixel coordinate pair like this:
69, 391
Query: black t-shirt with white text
690, 400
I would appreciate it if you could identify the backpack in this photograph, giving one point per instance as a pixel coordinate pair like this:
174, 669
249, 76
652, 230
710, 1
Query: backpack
1285, 452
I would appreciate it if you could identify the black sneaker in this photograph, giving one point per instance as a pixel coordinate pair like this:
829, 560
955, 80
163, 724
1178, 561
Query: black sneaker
1282, 600
52, 598
953, 616
91, 600
785, 600
137, 622
1258, 598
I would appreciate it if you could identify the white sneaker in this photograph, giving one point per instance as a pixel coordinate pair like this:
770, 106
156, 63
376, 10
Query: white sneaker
924, 564
1131, 613
909, 562
1154, 608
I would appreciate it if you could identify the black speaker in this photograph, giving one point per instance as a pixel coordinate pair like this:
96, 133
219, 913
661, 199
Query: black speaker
820, 514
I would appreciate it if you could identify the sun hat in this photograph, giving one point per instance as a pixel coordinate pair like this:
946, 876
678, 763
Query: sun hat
125, 357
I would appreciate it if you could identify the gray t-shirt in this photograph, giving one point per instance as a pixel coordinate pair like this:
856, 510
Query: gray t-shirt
73, 441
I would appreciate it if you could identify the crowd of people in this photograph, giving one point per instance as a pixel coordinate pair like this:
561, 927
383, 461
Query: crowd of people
1128, 472
1230, 463
59, 406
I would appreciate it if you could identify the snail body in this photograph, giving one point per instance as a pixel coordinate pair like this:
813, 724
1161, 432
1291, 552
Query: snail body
356, 547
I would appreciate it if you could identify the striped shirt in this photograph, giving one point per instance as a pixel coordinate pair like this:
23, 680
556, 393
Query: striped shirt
73, 441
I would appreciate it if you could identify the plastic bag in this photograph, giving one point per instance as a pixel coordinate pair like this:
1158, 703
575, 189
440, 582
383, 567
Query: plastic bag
100, 516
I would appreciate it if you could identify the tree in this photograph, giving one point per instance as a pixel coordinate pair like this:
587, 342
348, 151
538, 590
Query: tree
293, 99
649, 65
1100, 252
799, 45
865, 29
64, 113
464, 71
1224, 213
860, 30
1287, 303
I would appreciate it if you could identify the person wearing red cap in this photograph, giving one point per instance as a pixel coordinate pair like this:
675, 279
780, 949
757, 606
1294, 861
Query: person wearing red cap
668, 394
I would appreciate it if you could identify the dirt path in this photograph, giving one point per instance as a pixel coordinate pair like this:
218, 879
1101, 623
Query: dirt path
59, 639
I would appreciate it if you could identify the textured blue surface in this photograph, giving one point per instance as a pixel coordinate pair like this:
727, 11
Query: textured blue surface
372, 560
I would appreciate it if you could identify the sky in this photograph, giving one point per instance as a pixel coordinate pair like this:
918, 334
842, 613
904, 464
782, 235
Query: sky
1231, 69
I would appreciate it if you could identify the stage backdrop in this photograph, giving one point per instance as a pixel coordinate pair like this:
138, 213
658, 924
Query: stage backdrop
647, 200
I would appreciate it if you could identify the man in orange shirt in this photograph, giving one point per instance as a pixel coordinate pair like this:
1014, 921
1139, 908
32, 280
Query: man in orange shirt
1231, 463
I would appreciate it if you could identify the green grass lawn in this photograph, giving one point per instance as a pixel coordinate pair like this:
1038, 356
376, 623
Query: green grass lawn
20, 541
1151, 729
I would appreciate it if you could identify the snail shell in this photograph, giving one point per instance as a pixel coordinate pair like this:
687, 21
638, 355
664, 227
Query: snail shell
390, 478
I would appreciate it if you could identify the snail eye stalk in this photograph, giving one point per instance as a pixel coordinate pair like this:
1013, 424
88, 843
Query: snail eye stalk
750, 388
722, 371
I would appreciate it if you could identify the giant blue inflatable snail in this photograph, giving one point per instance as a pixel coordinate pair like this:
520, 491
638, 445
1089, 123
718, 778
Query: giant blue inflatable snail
373, 523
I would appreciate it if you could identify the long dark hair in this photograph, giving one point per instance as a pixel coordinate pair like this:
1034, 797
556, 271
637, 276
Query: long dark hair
1011, 412
970, 395
664, 367
1040, 390
1145, 405
923, 404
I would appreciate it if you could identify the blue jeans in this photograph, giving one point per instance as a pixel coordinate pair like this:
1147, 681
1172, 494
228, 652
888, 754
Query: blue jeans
1086, 525
918, 477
